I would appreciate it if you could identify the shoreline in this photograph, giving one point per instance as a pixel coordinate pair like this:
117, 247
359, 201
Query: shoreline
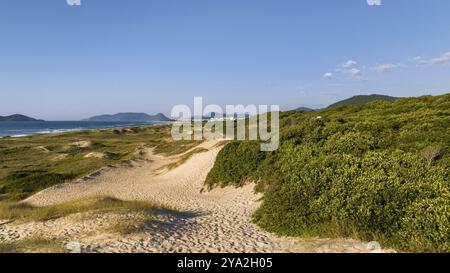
48, 131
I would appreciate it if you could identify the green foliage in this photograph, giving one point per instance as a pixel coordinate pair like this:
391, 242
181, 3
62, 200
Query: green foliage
234, 164
425, 226
21, 184
374, 172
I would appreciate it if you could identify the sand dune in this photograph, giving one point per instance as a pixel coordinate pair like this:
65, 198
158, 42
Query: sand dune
215, 221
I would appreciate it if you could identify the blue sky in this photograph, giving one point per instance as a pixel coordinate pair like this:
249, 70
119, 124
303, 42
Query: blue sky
61, 62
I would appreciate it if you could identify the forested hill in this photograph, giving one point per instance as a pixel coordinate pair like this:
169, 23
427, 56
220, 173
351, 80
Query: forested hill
362, 99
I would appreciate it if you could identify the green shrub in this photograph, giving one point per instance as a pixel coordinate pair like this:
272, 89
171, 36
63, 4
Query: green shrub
425, 226
367, 198
235, 163
355, 143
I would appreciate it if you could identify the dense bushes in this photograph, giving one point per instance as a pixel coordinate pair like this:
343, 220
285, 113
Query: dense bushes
235, 163
373, 172
372, 197
425, 226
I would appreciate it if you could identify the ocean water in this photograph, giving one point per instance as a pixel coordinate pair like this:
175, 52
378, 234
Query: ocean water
18, 129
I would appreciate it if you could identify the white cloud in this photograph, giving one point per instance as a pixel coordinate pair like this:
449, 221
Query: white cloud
351, 69
348, 68
349, 64
444, 59
328, 75
73, 2
385, 67
374, 2
355, 72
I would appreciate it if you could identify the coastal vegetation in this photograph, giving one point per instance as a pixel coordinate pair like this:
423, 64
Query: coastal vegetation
183, 158
33, 163
33, 244
22, 212
377, 171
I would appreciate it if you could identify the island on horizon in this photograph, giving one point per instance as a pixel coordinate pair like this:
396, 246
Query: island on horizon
141, 117
19, 118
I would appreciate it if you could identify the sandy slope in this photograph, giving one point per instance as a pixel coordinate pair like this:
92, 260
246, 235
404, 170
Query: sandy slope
216, 221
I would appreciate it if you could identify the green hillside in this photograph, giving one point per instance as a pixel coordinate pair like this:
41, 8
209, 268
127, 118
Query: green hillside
378, 171
362, 99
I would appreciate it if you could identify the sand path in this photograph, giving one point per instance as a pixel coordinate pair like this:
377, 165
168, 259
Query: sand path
214, 221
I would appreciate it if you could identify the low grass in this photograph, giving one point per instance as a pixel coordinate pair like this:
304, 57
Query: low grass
138, 224
33, 245
170, 147
185, 158
221, 143
21, 184
20, 212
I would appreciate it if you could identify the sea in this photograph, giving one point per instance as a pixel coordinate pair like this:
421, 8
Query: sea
24, 128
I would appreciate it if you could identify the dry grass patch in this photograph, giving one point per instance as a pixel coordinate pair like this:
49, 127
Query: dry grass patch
21, 212
34, 244
184, 158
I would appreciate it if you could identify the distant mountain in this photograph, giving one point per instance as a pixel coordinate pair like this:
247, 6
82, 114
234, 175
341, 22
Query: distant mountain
356, 100
306, 109
18, 117
141, 117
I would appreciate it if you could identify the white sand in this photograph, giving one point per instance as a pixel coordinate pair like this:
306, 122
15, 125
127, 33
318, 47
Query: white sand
216, 221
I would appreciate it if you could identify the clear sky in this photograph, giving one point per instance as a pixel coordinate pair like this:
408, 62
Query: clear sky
61, 62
